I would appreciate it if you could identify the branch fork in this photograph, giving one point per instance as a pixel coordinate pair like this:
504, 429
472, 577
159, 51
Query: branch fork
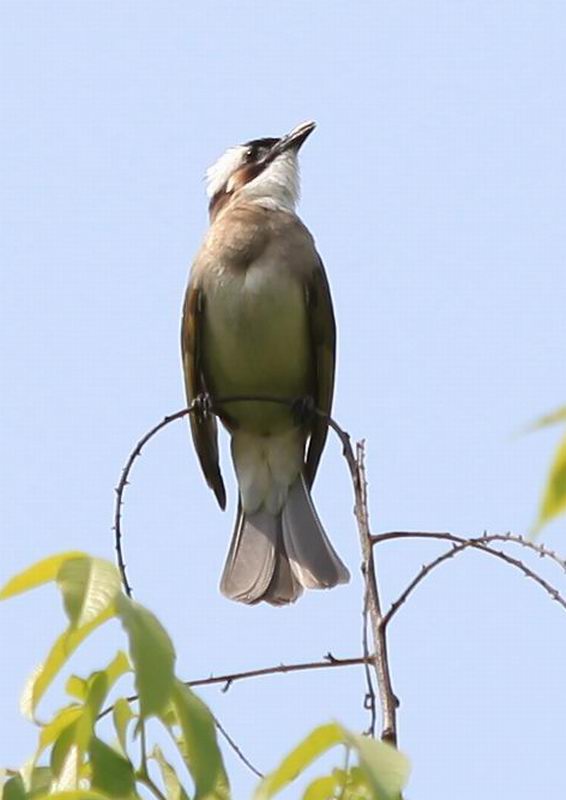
375, 659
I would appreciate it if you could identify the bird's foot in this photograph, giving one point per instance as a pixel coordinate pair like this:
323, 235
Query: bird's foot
203, 405
303, 409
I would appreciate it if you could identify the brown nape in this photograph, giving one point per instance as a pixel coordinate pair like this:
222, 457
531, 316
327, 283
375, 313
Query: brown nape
217, 203
239, 178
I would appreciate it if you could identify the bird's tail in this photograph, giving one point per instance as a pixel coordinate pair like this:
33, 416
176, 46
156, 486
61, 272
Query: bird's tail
273, 557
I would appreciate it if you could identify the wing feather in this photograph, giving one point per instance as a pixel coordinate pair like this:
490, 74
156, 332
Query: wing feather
203, 427
323, 343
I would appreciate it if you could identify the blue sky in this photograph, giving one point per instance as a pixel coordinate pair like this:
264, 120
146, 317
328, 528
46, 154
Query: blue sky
435, 188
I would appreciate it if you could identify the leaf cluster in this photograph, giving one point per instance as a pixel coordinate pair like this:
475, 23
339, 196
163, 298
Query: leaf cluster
73, 759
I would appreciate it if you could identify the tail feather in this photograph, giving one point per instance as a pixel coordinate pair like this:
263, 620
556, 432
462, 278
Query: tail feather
314, 562
284, 587
251, 560
272, 557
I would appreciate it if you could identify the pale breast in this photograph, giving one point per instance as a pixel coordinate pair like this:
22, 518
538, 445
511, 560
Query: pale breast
256, 339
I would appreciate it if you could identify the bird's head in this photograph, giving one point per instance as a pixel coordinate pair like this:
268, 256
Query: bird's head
262, 170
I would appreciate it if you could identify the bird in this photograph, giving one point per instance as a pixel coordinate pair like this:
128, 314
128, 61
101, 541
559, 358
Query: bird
258, 322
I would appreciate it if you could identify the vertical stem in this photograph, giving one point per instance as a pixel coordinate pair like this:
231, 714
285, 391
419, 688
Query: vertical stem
389, 702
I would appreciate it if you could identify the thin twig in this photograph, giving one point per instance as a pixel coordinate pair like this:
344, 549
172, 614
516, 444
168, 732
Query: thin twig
228, 679
213, 408
459, 547
329, 662
487, 538
281, 669
356, 467
369, 699
236, 749
120, 489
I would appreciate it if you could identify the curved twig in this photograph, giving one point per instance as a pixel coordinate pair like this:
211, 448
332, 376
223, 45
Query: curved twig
487, 538
459, 546
136, 452
356, 467
214, 409
372, 607
121, 487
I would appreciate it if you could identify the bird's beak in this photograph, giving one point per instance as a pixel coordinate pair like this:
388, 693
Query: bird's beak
292, 140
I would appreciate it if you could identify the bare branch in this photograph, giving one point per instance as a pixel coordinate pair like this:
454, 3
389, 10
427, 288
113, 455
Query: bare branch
237, 749
123, 482
389, 702
373, 615
281, 669
356, 467
329, 662
228, 679
369, 699
487, 538
459, 546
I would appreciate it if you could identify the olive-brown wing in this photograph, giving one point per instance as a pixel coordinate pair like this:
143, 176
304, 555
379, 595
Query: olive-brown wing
203, 426
323, 343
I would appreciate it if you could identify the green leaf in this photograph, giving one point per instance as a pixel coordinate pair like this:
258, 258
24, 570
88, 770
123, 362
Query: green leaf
99, 685
37, 780
38, 574
549, 419
14, 789
53, 729
77, 794
67, 775
356, 786
173, 787
386, 768
73, 727
60, 748
554, 498
200, 751
61, 651
76, 687
317, 742
89, 587
122, 715
322, 788
119, 665
152, 654
112, 774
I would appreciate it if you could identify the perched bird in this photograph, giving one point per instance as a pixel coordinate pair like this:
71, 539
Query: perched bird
258, 322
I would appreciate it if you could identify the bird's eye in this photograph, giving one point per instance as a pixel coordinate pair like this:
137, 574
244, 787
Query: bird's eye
249, 155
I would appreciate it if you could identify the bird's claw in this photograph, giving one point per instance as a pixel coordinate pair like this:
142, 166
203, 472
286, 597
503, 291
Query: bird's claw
203, 405
303, 409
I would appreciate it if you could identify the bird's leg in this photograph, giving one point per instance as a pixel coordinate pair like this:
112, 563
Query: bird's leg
303, 409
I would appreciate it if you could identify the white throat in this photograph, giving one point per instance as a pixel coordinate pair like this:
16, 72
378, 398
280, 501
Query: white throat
277, 186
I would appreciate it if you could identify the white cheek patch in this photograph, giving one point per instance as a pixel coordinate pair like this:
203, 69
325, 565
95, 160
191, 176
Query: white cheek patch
219, 173
277, 186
